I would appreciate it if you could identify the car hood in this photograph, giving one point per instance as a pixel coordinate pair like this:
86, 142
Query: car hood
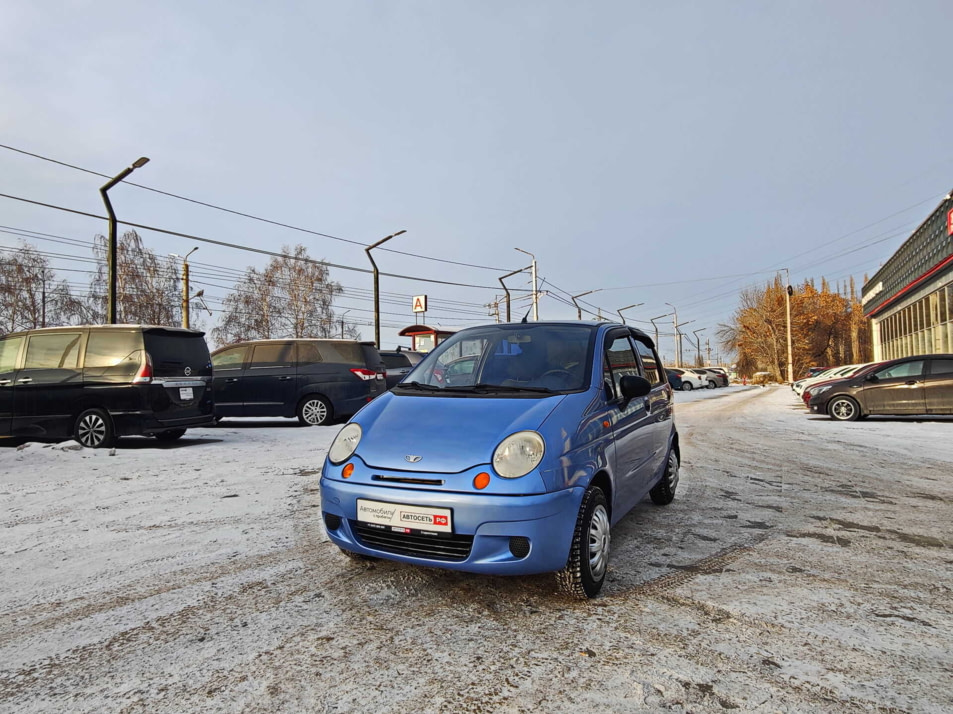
449, 434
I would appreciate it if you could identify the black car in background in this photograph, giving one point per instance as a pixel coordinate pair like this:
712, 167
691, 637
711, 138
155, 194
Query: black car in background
922, 384
315, 380
97, 382
674, 380
398, 363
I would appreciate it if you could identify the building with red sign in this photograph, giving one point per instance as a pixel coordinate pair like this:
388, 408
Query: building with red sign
910, 299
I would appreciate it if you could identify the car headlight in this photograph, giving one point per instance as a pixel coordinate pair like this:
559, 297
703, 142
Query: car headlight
819, 390
518, 454
345, 443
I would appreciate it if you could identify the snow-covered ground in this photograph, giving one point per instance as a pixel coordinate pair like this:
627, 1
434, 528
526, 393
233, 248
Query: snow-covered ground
805, 565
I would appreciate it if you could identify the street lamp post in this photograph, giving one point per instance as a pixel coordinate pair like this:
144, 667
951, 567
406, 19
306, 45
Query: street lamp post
787, 304
535, 290
627, 307
185, 288
698, 347
342, 323
507, 290
111, 245
677, 341
652, 320
377, 298
579, 309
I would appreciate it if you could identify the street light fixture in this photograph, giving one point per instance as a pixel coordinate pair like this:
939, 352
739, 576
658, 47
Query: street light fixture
377, 299
678, 355
579, 309
652, 320
342, 323
627, 307
111, 245
535, 291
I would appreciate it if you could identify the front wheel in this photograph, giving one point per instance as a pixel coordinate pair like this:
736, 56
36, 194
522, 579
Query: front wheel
94, 429
314, 411
585, 571
844, 409
711, 385
686, 386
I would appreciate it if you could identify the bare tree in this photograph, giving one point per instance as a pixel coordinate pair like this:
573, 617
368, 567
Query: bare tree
291, 297
29, 295
147, 286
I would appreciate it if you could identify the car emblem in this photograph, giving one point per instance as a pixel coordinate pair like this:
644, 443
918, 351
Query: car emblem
412, 458
188, 371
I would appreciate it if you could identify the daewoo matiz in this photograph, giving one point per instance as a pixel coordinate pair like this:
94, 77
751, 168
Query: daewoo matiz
511, 449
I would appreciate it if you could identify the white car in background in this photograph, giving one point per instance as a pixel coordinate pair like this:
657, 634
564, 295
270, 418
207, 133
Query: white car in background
690, 378
832, 373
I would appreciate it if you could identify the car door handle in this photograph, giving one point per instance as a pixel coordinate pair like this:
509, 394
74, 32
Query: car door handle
232, 379
25, 380
283, 379
911, 382
4, 382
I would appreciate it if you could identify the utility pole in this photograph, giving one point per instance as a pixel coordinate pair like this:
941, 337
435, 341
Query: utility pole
579, 309
698, 347
652, 320
535, 287
787, 303
185, 288
627, 307
506, 290
111, 258
678, 352
708, 352
43, 309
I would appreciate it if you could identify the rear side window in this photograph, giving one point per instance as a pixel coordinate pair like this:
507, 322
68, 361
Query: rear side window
649, 363
56, 351
116, 353
272, 354
308, 353
904, 369
9, 349
172, 352
395, 361
942, 366
349, 353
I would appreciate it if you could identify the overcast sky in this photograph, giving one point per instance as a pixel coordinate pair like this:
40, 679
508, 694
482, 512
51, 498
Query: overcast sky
670, 152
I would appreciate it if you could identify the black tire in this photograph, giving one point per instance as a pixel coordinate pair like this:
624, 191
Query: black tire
94, 429
315, 410
686, 386
843, 408
585, 571
170, 434
711, 384
663, 493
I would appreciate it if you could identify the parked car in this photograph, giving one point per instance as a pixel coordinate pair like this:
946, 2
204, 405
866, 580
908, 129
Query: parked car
690, 379
922, 384
674, 381
398, 364
832, 373
97, 382
816, 384
555, 433
714, 377
314, 380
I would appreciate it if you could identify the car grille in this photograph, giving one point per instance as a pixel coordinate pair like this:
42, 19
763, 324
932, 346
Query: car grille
451, 547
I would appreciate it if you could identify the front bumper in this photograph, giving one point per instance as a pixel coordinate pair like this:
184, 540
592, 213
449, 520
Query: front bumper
546, 521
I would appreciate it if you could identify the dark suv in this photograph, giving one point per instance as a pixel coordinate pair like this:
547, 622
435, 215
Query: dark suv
97, 382
398, 364
313, 379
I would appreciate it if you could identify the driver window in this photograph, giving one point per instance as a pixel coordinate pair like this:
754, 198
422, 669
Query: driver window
904, 369
620, 361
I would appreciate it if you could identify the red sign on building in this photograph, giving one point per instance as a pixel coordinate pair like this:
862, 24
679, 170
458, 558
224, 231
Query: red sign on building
949, 222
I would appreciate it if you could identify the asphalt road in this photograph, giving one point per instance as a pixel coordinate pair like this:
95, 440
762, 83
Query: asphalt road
793, 573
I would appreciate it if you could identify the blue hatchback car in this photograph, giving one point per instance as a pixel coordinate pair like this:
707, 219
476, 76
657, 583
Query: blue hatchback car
511, 449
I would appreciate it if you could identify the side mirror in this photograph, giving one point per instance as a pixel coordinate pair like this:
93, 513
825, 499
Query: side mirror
872, 378
633, 386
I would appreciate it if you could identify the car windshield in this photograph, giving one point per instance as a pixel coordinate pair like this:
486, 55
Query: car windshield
533, 358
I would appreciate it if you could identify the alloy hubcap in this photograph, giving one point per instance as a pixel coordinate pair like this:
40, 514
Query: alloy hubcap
92, 431
843, 409
314, 412
598, 542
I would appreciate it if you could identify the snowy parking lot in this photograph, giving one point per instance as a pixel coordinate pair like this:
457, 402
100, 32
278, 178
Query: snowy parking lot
805, 565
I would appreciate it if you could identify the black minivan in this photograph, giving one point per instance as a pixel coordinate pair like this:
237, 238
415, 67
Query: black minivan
316, 380
97, 382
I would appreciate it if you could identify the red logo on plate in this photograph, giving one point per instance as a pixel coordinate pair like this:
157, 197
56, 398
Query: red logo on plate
440, 521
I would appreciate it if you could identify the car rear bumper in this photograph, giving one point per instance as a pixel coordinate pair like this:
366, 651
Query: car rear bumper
140, 423
497, 535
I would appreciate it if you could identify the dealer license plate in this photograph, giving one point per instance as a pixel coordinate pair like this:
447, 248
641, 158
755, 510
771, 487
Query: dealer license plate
401, 517
185, 394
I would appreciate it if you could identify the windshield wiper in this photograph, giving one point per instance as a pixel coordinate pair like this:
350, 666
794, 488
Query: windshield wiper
483, 386
421, 387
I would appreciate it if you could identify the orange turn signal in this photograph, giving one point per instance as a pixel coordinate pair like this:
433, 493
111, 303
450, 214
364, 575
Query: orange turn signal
348, 470
481, 480
606, 424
